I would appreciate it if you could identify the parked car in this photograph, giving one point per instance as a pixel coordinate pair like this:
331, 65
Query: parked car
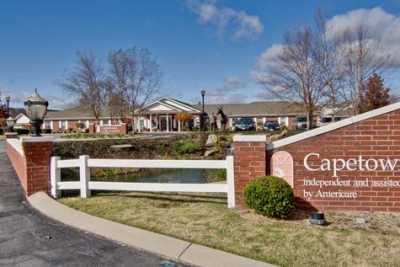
327, 120
271, 126
301, 123
244, 124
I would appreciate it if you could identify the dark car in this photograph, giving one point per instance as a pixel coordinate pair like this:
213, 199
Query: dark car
271, 126
245, 124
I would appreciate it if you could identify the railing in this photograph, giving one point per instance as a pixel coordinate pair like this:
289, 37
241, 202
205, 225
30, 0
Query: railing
84, 163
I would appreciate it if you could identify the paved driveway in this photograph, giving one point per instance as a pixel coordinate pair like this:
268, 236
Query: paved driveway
30, 239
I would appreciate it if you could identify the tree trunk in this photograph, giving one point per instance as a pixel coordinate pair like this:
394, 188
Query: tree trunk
310, 119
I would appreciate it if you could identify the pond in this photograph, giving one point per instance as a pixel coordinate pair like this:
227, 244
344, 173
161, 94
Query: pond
189, 176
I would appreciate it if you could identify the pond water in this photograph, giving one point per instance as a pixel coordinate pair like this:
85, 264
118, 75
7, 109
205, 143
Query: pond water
189, 176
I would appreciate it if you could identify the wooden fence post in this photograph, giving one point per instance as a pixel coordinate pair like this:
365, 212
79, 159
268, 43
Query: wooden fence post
230, 181
55, 176
84, 174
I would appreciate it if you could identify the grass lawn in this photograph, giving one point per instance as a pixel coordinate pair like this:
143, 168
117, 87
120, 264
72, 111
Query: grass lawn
205, 219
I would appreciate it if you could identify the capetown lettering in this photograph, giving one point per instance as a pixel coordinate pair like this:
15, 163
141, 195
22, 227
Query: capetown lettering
352, 164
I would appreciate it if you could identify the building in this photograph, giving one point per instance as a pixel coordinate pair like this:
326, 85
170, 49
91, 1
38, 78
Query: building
76, 118
163, 116
284, 112
22, 121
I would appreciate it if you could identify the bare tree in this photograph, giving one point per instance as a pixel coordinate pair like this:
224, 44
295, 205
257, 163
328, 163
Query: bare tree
360, 56
135, 77
86, 81
293, 74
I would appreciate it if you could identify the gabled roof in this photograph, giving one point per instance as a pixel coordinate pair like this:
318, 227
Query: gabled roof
333, 126
259, 108
169, 105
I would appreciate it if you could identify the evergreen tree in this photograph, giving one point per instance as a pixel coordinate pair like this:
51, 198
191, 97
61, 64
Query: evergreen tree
375, 95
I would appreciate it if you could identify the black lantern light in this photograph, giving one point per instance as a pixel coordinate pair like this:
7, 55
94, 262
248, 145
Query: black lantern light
10, 124
36, 109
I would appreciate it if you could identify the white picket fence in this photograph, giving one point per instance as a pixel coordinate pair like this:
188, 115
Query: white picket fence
85, 185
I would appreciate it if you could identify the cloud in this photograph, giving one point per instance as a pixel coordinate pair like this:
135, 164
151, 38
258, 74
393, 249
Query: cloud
383, 29
265, 61
240, 23
229, 92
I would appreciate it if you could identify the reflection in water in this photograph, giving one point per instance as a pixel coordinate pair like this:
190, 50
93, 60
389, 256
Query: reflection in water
189, 176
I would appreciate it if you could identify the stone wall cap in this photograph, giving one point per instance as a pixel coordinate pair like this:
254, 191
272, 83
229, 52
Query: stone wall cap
41, 139
250, 138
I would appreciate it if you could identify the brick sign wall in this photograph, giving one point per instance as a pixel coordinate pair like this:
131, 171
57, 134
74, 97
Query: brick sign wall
355, 167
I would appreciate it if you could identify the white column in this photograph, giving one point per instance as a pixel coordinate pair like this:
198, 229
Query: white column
151, 123
167, 123
179, 126
138, 125
55, 176
230, 181
84, 173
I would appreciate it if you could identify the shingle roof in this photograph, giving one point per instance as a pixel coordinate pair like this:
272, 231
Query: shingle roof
75, 113
259, 108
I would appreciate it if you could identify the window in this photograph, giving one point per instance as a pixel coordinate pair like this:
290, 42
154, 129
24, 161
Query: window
63, 124
47, 124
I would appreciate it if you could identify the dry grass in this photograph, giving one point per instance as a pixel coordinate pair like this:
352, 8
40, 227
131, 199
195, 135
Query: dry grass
206, 220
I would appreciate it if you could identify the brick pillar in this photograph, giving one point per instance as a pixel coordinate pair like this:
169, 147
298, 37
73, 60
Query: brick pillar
37, 152
92, 128
123, 128
249, 162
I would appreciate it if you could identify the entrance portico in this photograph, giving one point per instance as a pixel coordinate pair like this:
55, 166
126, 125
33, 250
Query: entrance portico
162, 116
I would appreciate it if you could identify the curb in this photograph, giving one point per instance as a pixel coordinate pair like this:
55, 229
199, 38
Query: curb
166, 246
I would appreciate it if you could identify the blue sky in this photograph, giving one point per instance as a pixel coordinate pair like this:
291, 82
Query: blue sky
39, 40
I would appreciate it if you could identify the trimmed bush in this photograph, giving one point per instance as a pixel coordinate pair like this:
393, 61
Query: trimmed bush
186, 146
271, 196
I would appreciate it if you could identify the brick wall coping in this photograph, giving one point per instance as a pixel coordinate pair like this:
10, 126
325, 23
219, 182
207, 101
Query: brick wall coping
31, 139
17, 145
333, 126
249, 138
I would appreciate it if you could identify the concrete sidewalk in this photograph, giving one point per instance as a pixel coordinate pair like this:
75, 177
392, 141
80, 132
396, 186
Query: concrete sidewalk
166, 246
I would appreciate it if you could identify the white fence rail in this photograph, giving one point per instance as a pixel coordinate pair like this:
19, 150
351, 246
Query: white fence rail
84, 163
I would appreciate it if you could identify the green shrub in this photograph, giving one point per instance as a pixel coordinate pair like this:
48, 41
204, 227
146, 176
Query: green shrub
271, 196
186, 146
46, 131
22, 131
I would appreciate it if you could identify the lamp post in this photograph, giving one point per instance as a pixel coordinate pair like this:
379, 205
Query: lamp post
202, 116
8, 98
36, 109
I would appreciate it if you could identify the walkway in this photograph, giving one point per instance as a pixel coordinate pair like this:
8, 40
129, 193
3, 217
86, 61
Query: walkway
30, 239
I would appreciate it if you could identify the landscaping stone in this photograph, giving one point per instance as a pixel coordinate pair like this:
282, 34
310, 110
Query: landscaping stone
210, 152
211, 140
361, 220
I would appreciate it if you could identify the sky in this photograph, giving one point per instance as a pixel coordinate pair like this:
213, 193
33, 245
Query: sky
213, 45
